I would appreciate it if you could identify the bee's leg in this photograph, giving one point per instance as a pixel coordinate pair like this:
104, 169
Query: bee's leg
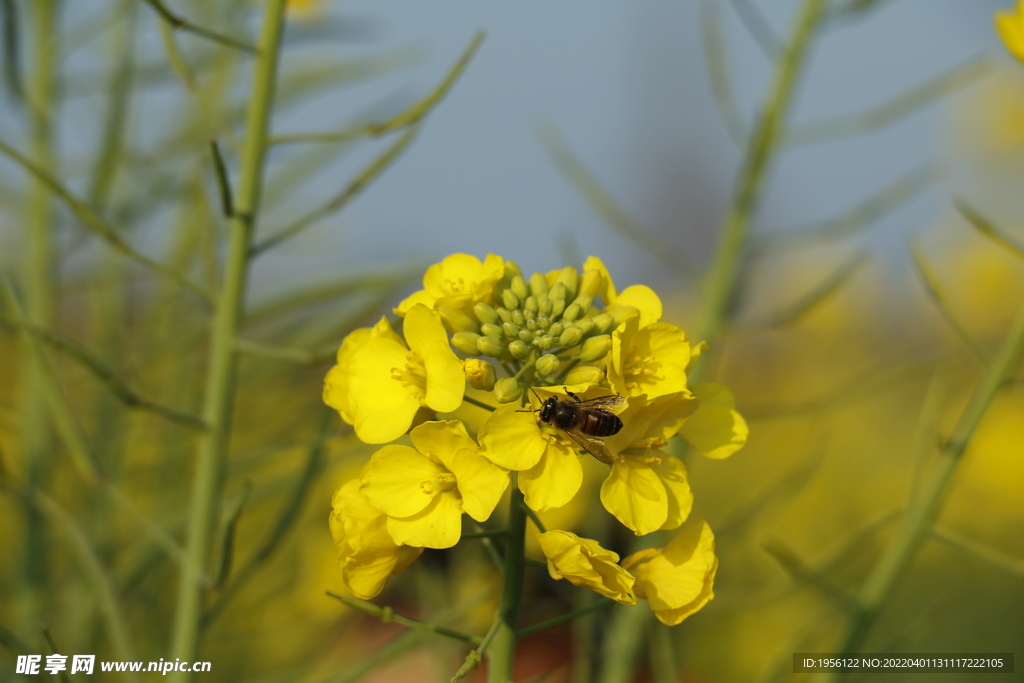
572, 394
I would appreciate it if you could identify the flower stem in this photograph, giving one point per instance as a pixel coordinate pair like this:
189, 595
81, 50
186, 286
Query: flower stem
923, 510
221, 383
501, 655
763, 146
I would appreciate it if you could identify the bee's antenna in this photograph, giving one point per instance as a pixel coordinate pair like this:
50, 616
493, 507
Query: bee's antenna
538, 398
537, 395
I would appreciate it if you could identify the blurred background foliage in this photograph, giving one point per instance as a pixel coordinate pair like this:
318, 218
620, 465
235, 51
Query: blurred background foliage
573, 130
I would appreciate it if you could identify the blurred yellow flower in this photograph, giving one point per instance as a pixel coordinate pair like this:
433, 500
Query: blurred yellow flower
1010, 29
424, 490
459, 281
715, 429
585, 563
385, 382
677, 580
549, 467
366, 553
336, 387
648, 360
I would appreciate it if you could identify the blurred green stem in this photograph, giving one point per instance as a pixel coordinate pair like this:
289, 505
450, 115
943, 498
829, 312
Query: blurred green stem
624, 638
501, 655
39, 295
923, 510
222, 368
764, 144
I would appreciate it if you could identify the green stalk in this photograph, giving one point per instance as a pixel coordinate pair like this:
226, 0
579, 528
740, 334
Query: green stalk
762, 149
923, 510
625, 634
222, 369
39, 297
501, 654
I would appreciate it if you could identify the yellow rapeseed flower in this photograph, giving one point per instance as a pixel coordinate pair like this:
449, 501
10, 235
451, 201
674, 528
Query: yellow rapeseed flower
585, 563
1010, 29
459, 281
336, 386
647, 489
366, 553
386, 380
549, 468
716, 429
649, 360
424, 490
677, 580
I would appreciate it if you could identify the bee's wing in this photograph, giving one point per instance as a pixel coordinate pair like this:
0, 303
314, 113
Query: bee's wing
613, 403
591, 445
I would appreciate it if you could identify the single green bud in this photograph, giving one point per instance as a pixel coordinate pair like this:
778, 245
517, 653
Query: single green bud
595, 348
539, 285
543, 322
586, 326
584, 374
590, 282
490, 346
555, 329
490, 330
572, 312
504, 314
548, 365
545, 342
479, 374
507, 389
570, 278
512, 269
584, 301
510, 300
531, 325
557, 306
570, 337
544, 307
526, 336
519, 349
518, 318
604, 321
518, 287
510, 329
528, 314
558, 291
621, 314
457, 321
466, 342
531, 304
485, 313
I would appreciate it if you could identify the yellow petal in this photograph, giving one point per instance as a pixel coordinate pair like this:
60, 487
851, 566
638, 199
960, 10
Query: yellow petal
439, 525
1010, 29
644, 300
442, 439
446, 381
715, 429
649, 423
382, 407
399, 481
583, 562
607, 289
634, 494
672, 617
417, 298
336, 388
511, 440
336, 392
554, 480
480, 482
366, 571
682, 572
672, 473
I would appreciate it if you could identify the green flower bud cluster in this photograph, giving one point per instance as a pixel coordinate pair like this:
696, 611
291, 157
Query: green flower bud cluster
543, 332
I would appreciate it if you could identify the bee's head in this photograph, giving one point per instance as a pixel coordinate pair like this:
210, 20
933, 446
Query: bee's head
548, 409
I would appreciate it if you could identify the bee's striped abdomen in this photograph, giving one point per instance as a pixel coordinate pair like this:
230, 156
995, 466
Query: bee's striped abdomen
600, 423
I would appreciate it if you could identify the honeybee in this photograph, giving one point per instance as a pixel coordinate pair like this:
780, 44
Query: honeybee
586, 422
